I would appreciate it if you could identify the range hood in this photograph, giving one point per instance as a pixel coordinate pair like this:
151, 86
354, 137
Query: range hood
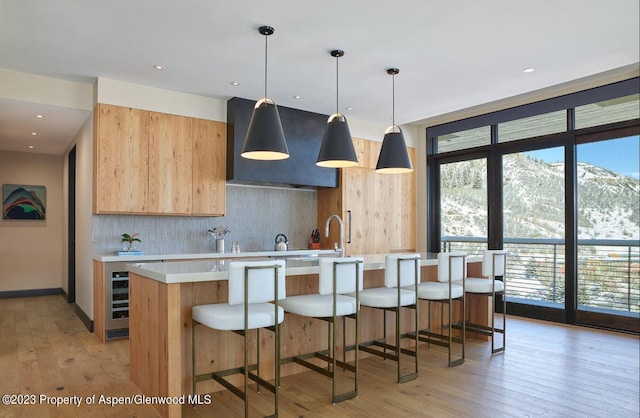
303, 132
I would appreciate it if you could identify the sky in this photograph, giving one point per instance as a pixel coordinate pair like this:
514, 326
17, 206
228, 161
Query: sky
619, 155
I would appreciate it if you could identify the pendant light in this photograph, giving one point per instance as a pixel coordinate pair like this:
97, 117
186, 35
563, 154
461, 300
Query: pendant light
337, 145
393, 157
265, 137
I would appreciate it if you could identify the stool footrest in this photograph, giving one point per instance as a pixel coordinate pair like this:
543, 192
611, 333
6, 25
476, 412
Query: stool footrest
437, 339
344, 396
480, 329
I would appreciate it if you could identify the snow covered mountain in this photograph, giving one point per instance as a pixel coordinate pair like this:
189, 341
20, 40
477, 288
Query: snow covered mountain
609, 203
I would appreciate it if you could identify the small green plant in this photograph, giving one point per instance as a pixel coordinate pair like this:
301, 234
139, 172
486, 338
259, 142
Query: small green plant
131, 239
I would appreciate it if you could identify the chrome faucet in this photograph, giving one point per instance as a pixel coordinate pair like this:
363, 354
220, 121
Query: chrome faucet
326, 233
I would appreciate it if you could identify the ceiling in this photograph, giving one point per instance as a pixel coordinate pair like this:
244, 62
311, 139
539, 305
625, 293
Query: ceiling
451, 55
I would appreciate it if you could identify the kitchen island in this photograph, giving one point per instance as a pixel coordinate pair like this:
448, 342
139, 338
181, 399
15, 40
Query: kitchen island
161, 298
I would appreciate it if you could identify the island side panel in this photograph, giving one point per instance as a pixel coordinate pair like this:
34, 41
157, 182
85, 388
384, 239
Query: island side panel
98, 301
154, 335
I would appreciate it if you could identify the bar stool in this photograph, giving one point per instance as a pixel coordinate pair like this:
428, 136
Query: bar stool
494, 265
451, 268
337, 276
252, 286
405, 269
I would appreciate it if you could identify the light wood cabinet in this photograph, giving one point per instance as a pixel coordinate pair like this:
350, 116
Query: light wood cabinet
157, 163
209, 167
121, 156
379, 210
170, 164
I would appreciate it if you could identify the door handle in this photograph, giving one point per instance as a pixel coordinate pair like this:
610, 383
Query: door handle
349, 222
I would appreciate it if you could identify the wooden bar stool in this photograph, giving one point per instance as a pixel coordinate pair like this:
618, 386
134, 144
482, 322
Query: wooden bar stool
494, 265
337, 276
252, 286
451, 270
401, 278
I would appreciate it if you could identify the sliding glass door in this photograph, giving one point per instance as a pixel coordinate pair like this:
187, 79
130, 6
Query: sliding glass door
608, 269
533, 185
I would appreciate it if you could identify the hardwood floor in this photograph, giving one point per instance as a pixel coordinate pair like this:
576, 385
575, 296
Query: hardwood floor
548, 370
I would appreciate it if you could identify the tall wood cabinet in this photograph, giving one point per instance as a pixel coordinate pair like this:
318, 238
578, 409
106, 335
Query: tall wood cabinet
121, 159
378, 210
170, 164
157, 163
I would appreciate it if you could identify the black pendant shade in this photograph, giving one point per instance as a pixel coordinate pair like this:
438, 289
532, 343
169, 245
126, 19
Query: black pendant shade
394, 157
265, 137
337, 145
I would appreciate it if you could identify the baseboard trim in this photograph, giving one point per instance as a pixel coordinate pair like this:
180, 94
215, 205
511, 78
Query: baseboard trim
31, 292
88, 323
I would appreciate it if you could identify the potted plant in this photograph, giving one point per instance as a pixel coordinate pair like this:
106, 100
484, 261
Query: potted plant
130, 239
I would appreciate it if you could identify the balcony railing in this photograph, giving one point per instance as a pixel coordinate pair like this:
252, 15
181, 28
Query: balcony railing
608, 271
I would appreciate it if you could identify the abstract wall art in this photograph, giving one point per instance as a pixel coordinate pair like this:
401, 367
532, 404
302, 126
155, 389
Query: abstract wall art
23, 202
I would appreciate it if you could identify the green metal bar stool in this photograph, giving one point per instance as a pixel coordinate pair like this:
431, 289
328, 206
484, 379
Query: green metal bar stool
449, 287
253, 285
338, 276
401, 278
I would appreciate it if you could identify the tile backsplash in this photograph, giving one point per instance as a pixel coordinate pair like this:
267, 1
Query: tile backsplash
255, 215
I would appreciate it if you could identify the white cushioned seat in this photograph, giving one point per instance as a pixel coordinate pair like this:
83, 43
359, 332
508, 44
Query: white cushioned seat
386, 297
253, 285
477, 285
452, 267
320, 306
439, 290
347, 278
223, 316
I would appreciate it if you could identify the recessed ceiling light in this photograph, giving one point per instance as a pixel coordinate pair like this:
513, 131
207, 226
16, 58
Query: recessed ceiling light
297, 97
528, 70
349, 108
30, 146
34, 133
39, 116
159, 67
234, 83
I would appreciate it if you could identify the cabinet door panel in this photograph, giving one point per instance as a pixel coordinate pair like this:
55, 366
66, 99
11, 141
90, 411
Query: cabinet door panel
383, 206
121, 176
170, 167
209, 167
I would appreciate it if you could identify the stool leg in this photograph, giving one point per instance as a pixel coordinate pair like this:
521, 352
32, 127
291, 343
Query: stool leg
344, 341
449, 331
246, 373
428, 321
398, 350
193, 360
384, 333
258, 356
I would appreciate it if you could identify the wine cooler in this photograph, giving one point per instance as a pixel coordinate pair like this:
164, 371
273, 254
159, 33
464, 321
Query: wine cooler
116, 301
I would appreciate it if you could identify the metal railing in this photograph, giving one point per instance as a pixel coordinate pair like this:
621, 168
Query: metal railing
608, 270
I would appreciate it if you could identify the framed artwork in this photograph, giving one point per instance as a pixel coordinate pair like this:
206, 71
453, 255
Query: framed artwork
23, 202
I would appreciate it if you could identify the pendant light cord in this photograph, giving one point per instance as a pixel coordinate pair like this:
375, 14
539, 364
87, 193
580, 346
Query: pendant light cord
266, 37
337, 79
393, 99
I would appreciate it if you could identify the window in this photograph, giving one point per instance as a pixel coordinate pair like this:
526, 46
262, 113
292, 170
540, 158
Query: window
608, 111
548, 123
534, 225
464, 139
512, 183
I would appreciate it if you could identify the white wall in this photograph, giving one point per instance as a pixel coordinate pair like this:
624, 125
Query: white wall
37, 89
31, 251
83, 142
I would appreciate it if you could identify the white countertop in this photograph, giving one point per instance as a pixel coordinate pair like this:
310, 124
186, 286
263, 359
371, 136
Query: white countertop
211, 270
107, 258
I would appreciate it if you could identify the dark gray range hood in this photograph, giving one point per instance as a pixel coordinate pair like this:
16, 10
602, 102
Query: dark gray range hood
303, 132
